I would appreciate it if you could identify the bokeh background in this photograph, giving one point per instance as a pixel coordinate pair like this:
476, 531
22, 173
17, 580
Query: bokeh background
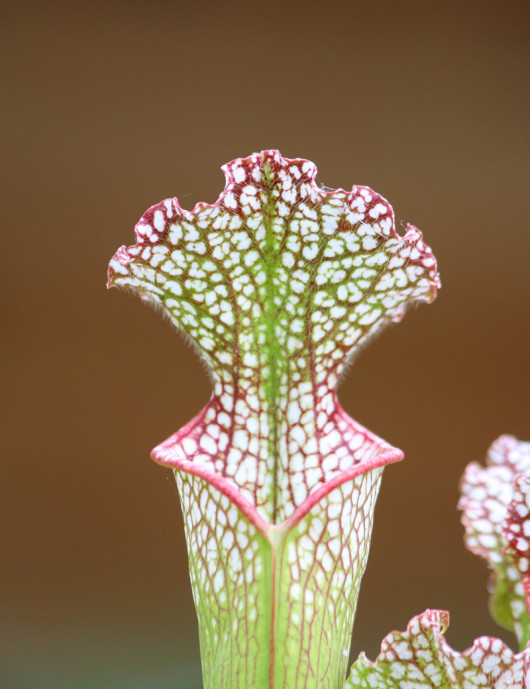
109, 107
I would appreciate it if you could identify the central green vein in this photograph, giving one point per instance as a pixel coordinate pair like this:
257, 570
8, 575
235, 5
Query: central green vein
272, 346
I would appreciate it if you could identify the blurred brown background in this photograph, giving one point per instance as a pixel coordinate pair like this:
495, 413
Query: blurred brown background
108, 108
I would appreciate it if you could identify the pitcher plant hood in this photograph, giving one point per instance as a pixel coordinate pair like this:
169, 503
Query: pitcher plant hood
279, 283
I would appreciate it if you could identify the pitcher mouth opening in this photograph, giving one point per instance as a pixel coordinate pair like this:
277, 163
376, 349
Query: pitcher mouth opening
171, 454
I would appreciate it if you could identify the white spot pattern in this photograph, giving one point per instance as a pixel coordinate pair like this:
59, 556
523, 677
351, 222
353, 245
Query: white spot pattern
420, 658
516, 526
312, 581
278, 283
486, 495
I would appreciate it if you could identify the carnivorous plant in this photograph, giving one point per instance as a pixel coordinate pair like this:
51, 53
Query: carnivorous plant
278, 284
